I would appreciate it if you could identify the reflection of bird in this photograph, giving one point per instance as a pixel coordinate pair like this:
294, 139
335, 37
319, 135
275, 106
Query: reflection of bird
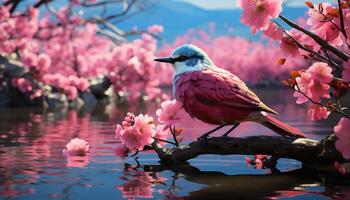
217, 96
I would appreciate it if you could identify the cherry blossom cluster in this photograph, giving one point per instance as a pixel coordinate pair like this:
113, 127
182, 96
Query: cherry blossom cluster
136, 132
65, 51
321, 38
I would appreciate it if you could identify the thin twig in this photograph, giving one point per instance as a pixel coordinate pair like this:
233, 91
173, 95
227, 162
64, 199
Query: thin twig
321, 58
331, 108
319, 40
173, 133
342, 19
167, 141
137, 151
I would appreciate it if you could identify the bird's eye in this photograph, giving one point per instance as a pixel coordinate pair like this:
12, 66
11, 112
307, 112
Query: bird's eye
181, 58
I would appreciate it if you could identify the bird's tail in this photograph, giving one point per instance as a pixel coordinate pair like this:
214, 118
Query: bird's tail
280, 127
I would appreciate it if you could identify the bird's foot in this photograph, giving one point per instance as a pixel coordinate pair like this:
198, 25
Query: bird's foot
230, 130
203, 140
203, 137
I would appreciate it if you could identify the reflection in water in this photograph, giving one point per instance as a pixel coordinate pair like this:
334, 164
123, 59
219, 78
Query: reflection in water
298, 182
32, 164
138, 183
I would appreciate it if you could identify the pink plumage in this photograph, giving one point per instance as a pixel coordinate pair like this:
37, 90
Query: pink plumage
216, 96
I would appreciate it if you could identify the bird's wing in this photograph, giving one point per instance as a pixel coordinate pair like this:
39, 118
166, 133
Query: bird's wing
220, 87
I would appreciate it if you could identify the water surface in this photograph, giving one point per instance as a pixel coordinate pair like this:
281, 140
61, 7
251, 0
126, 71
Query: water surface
32, 165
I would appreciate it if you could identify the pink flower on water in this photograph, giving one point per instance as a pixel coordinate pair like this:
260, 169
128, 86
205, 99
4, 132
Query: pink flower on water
273, 32
342, 132
140, 134
77, 147
170, 113
22, 84
257, 13
318, 112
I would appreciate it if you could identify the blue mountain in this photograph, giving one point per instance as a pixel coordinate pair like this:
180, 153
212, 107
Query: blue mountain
178, 17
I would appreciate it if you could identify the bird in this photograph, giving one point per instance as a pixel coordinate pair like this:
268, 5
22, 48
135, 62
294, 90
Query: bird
216, 96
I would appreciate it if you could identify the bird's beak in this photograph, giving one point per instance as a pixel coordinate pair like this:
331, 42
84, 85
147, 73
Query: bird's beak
167, 60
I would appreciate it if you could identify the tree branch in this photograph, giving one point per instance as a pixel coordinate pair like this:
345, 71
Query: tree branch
318, 39
341, 19
306, 151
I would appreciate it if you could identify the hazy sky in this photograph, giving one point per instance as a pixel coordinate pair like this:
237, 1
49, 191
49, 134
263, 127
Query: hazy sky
220, 4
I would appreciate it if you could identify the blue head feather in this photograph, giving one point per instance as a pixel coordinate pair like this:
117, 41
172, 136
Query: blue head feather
192, 51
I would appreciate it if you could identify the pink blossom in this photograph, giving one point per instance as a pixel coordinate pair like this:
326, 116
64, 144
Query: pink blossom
118, 131
259, 164
318, 90
22, 84
346, 72
155, 29
36, 94
4, 12
288, 46
33, 13
170, 113
302, 85
343, 168
82, 84
321, 72
323, 27
140, 134
273, 32
162, 132
260, 157
129, 120
257, 13
318, 112
320, 75
77, 147
341, 130
44, 62
29, 59
314, 83
72, 92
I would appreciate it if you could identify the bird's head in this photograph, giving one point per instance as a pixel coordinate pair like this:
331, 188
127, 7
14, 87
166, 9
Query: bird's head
187, 58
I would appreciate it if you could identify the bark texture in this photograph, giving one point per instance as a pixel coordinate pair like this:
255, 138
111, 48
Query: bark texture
306, 151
